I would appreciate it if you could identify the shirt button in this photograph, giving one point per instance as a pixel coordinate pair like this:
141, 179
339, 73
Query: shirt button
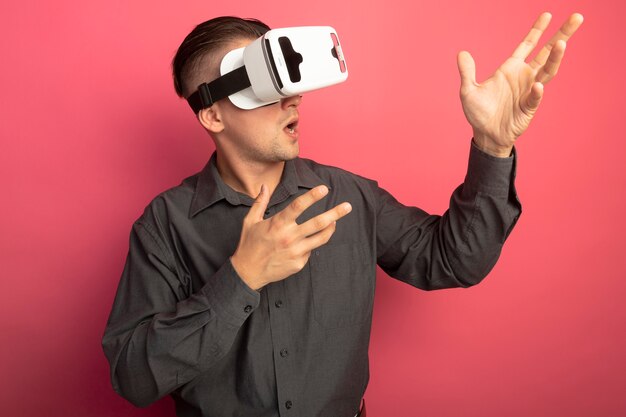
288, 405
247, 309
278, 303
284, 353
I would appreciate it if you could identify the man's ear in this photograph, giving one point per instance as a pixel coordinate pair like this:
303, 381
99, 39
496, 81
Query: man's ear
211, 119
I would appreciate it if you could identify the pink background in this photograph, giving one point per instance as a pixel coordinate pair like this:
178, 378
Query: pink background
91, 130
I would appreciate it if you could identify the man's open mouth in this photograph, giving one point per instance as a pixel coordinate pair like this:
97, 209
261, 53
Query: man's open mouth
291, 127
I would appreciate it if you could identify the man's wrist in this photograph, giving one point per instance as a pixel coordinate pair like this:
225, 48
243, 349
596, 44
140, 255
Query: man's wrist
246, 277
491, 148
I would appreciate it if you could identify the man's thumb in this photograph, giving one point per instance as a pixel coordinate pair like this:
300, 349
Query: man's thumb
467, 69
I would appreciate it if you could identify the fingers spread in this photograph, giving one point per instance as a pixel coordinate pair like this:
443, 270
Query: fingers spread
530, 41
300, 204
568, 28
549, 70
321, 221
318, 239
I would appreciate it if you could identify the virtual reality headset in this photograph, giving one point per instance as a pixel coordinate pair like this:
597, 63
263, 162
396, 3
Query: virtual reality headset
281, 63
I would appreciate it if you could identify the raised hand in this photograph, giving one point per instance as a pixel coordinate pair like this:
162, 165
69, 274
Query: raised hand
501, 108
272, 249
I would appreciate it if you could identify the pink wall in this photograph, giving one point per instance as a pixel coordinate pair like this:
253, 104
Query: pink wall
91, 130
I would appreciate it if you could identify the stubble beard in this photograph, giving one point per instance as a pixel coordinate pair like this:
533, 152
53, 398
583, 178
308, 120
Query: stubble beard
284, 152
275, 152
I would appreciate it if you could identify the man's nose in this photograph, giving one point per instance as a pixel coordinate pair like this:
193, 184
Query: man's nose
293, 101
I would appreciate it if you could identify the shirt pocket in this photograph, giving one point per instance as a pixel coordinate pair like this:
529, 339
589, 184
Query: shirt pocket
342, 280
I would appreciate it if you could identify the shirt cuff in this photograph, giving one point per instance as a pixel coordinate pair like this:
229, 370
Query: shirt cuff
490, 174
231, 298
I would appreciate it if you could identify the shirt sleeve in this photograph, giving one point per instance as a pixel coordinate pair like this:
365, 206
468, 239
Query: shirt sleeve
460, 247
157, 339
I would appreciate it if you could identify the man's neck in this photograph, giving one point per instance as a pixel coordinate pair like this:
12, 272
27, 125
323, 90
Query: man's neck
247, 177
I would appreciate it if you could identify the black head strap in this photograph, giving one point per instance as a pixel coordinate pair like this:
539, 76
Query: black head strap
227, 84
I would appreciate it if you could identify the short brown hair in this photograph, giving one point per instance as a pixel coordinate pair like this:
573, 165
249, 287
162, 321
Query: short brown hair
208, 38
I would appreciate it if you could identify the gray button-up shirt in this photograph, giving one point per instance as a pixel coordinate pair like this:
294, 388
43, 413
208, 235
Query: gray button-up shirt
184, 323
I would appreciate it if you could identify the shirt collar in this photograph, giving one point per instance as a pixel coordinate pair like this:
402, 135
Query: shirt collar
210, 188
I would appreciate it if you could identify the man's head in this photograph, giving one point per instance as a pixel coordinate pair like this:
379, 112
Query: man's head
265, 134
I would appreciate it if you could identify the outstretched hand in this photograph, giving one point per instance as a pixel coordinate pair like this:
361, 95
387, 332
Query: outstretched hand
501, 108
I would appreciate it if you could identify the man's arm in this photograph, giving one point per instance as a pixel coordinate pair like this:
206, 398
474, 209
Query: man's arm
460, 247
158, 337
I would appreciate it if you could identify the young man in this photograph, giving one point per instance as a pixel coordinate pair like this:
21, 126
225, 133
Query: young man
248, 289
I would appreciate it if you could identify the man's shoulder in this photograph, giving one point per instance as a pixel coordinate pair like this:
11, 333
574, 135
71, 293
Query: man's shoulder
172, 202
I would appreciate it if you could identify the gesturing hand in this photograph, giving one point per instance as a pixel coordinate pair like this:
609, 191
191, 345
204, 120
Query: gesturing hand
501, 108
272, 249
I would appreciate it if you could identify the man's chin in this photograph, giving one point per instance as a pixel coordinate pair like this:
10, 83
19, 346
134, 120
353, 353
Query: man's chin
290, 154
292, 157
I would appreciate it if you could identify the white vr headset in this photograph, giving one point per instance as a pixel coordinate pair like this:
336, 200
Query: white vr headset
281, 63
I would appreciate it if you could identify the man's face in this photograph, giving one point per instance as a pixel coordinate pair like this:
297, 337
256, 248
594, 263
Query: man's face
265, 134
